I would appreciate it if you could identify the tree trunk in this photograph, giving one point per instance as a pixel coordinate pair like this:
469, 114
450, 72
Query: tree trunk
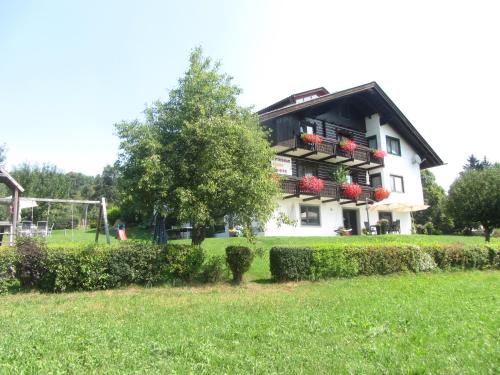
198, 234
487, 233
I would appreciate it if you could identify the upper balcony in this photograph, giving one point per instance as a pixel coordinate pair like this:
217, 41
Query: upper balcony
329, 151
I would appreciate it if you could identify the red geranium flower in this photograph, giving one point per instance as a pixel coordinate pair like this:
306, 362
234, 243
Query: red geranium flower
311, 184
379, 154
311, 138
348, 145
381, 194
352, 191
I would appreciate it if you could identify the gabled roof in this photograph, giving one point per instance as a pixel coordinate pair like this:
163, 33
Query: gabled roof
379, 101
8, 180
320, 91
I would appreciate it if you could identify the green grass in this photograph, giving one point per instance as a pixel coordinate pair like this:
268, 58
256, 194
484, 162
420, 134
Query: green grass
260, 266
439, 323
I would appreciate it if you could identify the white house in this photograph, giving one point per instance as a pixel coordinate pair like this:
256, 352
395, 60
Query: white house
363, 116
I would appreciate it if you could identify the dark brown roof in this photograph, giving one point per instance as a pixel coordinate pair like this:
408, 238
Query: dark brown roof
320, 91
8, 180
396, 117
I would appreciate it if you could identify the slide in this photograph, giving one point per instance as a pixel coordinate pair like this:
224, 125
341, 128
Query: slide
122, 236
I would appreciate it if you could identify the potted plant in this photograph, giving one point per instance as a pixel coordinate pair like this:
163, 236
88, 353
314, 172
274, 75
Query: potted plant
381, 194
351, 191
379, 154
339, 175
348, 145
311, 138
311, 184
384, 226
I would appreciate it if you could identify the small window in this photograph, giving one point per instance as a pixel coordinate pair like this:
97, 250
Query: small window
309, 215
372, 142
307, 169
397, 184
375, 180
307, 128
393, 146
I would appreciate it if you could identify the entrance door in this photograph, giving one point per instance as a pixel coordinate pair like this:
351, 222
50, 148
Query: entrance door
351, 220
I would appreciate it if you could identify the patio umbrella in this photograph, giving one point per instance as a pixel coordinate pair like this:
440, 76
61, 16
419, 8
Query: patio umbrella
23, 202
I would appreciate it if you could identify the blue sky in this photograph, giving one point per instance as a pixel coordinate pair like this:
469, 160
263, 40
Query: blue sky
69, 70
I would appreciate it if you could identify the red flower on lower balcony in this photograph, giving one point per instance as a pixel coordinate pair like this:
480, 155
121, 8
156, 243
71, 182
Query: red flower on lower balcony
381, 194
311, 138
351, 191
311, 184
379, 154
348, 145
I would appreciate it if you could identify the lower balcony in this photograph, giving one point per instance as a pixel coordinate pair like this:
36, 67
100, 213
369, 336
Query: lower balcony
331, 192
329, 150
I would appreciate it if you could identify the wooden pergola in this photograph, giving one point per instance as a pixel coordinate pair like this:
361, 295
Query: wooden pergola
9, 226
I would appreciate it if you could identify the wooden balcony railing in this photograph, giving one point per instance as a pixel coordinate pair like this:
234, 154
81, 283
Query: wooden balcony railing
331, 192
329, 151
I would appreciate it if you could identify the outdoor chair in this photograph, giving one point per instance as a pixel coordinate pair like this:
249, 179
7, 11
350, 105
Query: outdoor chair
396, 227
26, 229
370, 229
42, 228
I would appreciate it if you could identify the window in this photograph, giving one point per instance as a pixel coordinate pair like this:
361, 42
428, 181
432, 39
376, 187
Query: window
307, 169
385, 216
307, 128
397, 184
375, 180
393, 146
372, 142
309, 215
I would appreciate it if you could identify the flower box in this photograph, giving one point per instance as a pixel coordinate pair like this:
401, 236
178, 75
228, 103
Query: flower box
311, 184
348, 145
381, 194
379, 154
351, 191
311, 138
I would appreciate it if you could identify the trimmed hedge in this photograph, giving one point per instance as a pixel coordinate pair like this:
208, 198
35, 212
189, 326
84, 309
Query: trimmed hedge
322, 262
97, 267
239, 259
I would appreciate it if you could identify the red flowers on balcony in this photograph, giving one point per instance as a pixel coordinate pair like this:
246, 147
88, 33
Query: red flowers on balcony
381, 194
351, 191
311, 138
348, 145
379, 154
311, 184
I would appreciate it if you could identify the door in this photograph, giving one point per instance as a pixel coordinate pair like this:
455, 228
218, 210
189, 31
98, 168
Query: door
351, 220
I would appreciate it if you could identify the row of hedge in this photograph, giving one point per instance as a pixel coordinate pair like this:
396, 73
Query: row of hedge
313, 263
31, 265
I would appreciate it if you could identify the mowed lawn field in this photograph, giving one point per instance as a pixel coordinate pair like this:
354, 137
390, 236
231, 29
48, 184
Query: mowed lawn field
428, 323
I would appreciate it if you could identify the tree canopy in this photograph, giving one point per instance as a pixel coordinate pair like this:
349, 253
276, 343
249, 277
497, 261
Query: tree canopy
199, 155
475, 197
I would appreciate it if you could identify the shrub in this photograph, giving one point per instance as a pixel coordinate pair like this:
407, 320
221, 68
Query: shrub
290, 263
31, 264
214, 270
239, 259
114, 214
333, 262
459, 256
7, 270
184, 261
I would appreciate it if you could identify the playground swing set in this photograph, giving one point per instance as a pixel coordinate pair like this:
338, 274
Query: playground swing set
13, 226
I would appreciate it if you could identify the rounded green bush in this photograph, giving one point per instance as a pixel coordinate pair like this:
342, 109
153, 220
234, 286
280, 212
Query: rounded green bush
239, 259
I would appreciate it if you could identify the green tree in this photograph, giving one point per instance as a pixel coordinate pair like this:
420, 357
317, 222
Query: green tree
475, 197
106, 184
435, 197
474, 163
199, 156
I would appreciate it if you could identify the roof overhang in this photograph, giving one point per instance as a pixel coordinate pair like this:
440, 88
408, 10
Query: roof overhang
8, 180
390, 114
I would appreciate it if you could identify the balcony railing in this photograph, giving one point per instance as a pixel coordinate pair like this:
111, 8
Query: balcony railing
329, 151
331, 192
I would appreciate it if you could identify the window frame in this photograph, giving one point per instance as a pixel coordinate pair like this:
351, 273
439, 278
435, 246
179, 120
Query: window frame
307, 207
302, 165
388, 147
389, 213
392, 178
373, 137
379, 175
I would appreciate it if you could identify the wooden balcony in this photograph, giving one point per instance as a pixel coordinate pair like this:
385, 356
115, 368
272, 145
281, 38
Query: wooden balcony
331, 192
329, 151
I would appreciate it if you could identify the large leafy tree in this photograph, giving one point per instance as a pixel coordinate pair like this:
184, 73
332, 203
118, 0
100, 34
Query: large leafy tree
199, 156
475, 197
435, 197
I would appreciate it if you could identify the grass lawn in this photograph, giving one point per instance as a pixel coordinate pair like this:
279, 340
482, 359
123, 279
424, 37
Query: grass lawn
260, 266
439, 323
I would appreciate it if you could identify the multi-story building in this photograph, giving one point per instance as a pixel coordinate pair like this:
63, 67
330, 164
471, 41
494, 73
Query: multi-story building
353, 128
